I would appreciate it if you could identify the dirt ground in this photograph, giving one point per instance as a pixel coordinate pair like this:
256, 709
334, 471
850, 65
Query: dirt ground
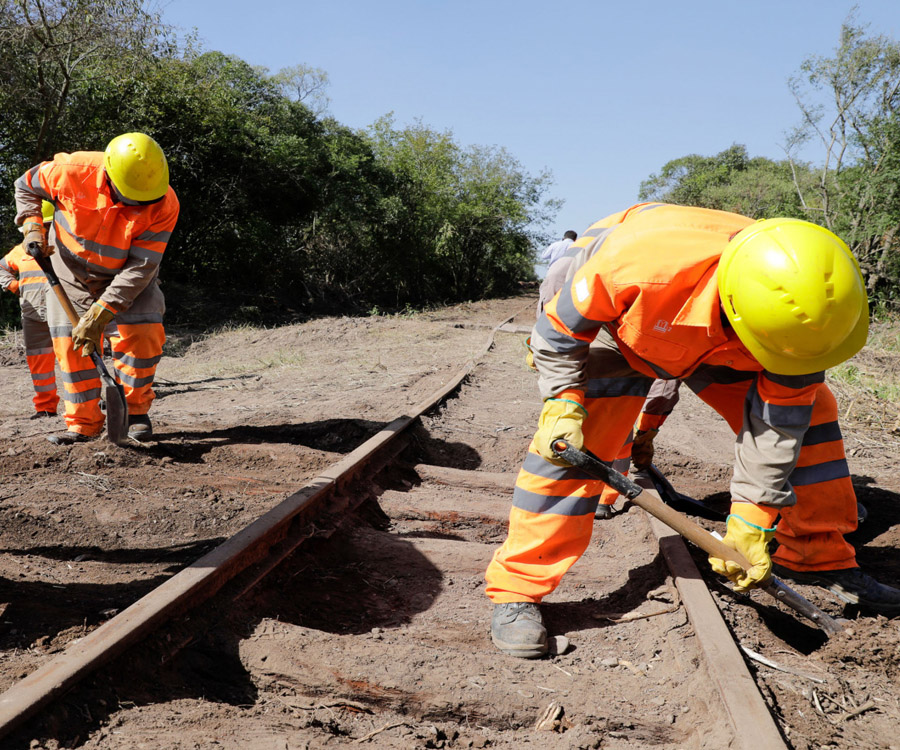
376, 633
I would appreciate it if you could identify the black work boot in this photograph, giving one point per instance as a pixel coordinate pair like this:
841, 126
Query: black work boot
139, 427
517, 629
851, 585
69, 438
603, 512
42, 414
861, 513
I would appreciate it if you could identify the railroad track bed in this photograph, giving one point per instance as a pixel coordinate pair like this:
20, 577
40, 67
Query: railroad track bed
374, 630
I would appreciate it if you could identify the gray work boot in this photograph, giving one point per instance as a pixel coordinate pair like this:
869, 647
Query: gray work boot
517, 629
851, 585
139, 427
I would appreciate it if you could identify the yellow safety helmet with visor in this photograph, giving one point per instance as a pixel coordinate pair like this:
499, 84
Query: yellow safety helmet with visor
137, 167
795, 296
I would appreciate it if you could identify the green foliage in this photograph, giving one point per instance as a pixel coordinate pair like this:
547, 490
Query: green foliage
283, 211
729, 181
850, 107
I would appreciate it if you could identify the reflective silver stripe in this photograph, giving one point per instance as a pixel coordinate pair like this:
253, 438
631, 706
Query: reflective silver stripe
569, 315
45, 388
31, 183
154, 236
6, 266
61, 332
536, 465
38, 352
133, 381
823, 433
824, 472
42, 375
31, 275
560, 342
621, 465
81, 398
136, 362
130, 319
616, 387
651, 207
556, 504
795, 381
79, 376
154, 256
705, 376
77, 260
778, 415
104, 251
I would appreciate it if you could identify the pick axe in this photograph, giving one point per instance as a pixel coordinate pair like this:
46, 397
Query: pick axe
114, 393
691, 531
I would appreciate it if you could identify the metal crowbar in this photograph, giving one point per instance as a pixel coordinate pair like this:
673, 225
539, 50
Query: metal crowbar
114, 393
691, 531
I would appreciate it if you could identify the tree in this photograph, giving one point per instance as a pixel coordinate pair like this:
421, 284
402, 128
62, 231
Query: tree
850, 107
729, 181
306, 84
50, 50
463, 220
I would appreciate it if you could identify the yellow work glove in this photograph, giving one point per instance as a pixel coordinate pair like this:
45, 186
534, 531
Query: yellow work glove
35, 237
529, 358
88, 334
752, 542
642, 448
560, 418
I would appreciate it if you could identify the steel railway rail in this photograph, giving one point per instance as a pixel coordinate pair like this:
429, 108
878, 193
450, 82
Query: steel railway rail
261, 546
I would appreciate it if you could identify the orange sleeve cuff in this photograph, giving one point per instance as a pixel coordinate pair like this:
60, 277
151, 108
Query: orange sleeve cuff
647, 422
571, 395
764, 516
14, 286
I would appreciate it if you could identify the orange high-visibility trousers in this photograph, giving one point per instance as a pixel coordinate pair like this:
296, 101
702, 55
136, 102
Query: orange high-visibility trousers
550, 522
136, 338
41, 363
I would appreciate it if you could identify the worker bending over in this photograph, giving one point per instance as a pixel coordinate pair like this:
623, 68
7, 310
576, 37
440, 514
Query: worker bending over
748, 315
114, 215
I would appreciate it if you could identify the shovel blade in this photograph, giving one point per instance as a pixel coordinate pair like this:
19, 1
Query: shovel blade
116, 413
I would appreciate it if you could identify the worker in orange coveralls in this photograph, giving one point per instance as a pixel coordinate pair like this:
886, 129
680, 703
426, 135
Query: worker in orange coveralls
21, 275
749, 315
661, 398
115, 213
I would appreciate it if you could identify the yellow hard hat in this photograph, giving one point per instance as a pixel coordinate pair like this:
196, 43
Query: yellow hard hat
137, 167
47, 209
795, 296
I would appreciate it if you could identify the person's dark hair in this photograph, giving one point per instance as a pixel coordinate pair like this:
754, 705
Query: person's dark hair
570, 235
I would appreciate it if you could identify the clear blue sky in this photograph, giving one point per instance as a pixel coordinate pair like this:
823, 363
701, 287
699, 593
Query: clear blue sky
601, 94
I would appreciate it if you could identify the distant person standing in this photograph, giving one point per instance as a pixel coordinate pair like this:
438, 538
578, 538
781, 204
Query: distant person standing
556, 272
555, 250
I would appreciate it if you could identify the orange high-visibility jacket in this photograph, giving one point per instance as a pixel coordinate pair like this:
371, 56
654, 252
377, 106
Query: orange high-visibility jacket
20, 274
113, 249
652, 284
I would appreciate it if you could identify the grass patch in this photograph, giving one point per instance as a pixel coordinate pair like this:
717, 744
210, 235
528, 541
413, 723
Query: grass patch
868, 386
